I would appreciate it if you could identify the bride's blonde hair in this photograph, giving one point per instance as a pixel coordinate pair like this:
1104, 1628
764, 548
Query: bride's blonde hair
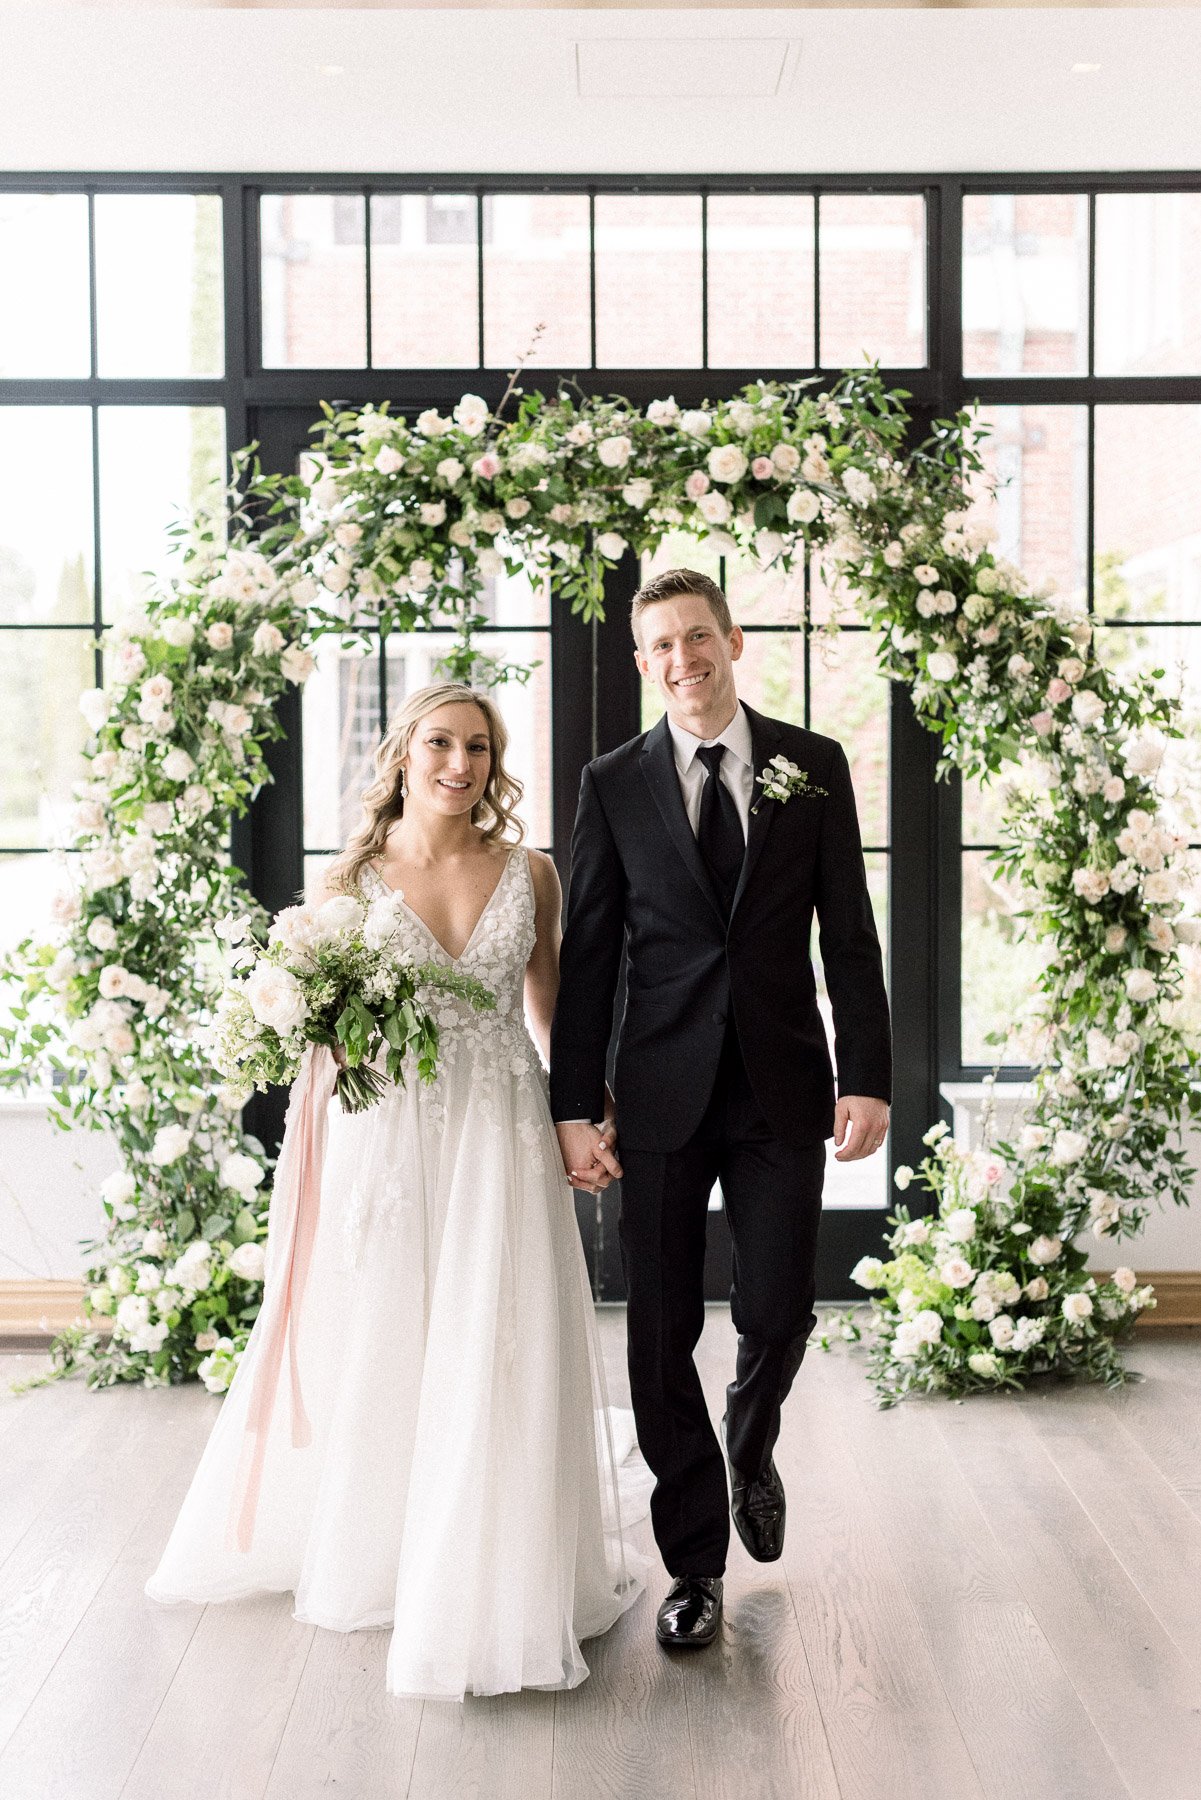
383, 802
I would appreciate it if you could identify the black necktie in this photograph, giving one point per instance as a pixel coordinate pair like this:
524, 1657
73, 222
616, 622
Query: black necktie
719, 829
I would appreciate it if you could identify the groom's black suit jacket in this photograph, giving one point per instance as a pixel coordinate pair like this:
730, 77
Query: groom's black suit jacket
638, 880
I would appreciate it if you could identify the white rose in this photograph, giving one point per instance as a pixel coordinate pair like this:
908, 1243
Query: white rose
927, 574
1125, 1280
768, 545
388, 459
956, 1272
170, 1143
119, 1188
860, 486
337, 917
430, 423
179, 633
1087, 707
727, 462
449, 470
518, 506
241, 1173
276, 998
714, 508
638, 492
248, 1261
915, 1231
1037, 1288
1044, 1250
96, 706
177, 764
1077, 1308
102, 933
296, 664
927, 1326
268, 639
614, 451
133, 1314
1140, 985
787, 458
960, 1225
1000, 1330
611, 544
114, 981
803, 506
984, 1363
905, 1342
432, 512
1068, 1147
663, 412
471, 414
220, 635
336, 578
868, 1272
942, 665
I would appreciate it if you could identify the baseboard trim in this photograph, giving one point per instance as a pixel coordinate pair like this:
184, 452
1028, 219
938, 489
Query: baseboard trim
32, 1312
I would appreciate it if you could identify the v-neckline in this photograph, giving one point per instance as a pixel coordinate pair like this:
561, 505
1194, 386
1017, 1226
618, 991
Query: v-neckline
397, 894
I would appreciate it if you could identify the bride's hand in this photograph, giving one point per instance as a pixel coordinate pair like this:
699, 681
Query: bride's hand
338, 1051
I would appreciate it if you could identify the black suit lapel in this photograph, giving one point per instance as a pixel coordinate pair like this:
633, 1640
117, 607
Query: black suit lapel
765, 742
658, 764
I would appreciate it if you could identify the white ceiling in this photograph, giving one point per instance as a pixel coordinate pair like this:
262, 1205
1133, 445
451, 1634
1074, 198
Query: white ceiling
600, 91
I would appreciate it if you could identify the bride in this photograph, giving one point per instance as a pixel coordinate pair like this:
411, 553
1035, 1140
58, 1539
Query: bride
459, 1482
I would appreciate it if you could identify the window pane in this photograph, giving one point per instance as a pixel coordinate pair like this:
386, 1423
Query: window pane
1025, 284
412, 663
760, 596
1038, 455
340, 729
1148, 284
515, 599
159, 300
536, 270
1141, 649
45, 526
849, 701
862, 1183
424, 281
314, 281
831, 596
44, 328
156, 464
873, 279
1147, 545
648, 281
999, 971
760, 280
42, 733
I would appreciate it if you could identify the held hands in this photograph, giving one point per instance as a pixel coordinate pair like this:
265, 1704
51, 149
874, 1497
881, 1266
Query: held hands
588, 1152
867, 1119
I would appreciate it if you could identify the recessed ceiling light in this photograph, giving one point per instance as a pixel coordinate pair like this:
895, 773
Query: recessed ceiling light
1086, 68
330, 69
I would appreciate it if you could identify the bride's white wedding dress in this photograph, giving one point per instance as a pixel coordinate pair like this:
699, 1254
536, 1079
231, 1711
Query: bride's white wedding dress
461, 1482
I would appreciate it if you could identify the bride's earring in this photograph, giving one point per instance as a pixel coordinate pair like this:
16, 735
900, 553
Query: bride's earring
404, 786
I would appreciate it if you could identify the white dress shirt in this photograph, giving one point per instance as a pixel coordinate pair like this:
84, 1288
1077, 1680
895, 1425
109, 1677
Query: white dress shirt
737, 768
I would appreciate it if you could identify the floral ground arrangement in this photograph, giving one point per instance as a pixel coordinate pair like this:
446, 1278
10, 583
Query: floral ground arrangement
400, 526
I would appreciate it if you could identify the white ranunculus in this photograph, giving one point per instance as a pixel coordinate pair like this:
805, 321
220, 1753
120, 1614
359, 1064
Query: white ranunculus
296, 664
942, 665
268, 639
927, 574
727, 462
1044, 1250
614, 451
114, 982
241, 1173
695, 422
1077, 1308
471, 414
276, 998
611, 544
868, 1272
170, 1143
248, 1261
960, 1225
803, 506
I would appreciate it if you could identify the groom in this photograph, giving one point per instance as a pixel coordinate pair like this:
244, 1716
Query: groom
680, 857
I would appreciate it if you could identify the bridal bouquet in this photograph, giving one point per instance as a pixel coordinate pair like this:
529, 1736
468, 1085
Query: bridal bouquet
332, 974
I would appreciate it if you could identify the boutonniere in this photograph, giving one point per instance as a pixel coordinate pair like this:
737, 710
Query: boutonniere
781, 779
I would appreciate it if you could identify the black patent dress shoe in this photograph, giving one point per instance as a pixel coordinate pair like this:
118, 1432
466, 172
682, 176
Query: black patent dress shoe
691, 1614
758, 1508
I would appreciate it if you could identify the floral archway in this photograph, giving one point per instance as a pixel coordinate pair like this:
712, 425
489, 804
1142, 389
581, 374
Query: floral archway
399, 528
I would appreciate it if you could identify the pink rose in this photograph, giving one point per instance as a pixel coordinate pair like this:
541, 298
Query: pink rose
486, 466
1043, 723
1057, 690
763, 468
696, 484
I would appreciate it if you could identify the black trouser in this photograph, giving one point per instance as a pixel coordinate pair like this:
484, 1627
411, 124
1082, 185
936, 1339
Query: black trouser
772, 1197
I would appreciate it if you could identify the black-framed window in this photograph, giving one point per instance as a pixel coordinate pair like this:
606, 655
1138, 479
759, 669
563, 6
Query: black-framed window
1064, 305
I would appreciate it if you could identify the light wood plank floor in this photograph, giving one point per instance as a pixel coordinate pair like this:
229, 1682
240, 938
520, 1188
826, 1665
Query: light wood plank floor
975, 1600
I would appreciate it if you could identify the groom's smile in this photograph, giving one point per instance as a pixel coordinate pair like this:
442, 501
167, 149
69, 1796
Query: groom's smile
683, 650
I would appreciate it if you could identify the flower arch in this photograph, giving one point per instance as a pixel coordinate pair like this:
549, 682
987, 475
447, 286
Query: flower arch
400, 525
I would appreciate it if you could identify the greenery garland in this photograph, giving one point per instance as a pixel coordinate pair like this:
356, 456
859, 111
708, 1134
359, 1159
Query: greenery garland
400, 527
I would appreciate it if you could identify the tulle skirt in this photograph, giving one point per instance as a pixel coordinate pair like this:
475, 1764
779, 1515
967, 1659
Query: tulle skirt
465, 1479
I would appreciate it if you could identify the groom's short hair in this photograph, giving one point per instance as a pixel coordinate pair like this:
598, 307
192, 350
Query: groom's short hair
670, 585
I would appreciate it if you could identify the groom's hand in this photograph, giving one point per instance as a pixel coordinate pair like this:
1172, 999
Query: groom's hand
867, 1119
588, 1155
